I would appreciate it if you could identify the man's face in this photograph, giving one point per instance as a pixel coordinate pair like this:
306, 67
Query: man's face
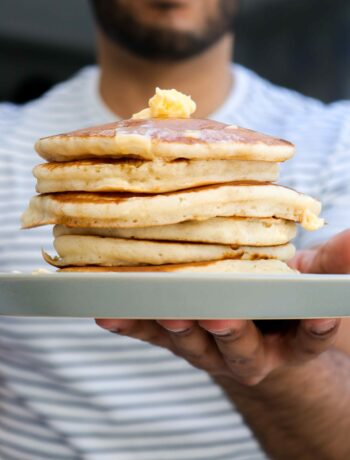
165, 29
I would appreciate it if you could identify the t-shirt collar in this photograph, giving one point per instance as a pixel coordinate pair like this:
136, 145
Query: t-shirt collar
102, 114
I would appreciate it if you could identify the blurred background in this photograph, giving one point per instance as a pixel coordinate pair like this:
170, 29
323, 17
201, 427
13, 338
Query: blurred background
301, 44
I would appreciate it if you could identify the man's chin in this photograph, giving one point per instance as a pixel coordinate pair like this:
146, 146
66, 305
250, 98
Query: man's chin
165, 44
170, 33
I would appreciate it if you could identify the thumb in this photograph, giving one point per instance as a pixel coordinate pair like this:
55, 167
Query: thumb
303, 260
332, 257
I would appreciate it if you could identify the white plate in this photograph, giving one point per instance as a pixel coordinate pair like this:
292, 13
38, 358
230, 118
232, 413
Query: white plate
164, 295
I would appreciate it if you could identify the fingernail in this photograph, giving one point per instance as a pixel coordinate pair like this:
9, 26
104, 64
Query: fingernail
115, 330
177, 331
324, 327
221, 332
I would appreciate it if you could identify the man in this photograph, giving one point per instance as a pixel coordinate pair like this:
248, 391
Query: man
71, 390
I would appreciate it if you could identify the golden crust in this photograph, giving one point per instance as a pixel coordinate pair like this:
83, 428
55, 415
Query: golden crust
142, 176
222, 230
174, 129
165, 138
81, 250
228, 266
132, 210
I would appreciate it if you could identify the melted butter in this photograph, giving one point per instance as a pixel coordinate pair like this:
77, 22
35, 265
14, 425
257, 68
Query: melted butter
311, 222
167, 103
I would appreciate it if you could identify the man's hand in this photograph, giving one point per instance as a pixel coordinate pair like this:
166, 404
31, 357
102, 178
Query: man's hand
333, 257
236, 348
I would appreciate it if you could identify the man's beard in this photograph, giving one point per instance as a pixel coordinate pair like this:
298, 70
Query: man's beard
159, 43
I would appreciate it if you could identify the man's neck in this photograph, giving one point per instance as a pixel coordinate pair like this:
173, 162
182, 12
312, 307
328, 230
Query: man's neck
127, 82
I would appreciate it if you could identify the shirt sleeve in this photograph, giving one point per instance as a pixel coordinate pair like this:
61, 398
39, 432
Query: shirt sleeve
335, 191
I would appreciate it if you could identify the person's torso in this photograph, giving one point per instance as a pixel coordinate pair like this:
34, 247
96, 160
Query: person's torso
73, 391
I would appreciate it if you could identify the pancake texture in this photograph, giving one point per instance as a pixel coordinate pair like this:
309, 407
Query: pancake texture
167, 139
125, 210
163, 192
222, 266
130, 175
95, 250
223, 230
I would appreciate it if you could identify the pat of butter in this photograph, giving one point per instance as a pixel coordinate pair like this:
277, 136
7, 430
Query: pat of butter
311, 222
167, 103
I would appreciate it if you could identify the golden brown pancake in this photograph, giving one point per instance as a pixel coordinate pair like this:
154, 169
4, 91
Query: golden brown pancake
168, 194
83, 250
143, 176
116, 210
224, 230
168, 139
221, 266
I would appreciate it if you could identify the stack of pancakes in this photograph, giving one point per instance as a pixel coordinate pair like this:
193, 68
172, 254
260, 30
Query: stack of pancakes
168, 194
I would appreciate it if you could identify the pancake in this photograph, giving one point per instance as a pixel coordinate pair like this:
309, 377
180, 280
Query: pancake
270, 266
130, 175
224, 230
95, 250
166, 138
126, 210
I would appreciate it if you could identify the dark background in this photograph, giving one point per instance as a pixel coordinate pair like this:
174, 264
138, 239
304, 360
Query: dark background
302, 44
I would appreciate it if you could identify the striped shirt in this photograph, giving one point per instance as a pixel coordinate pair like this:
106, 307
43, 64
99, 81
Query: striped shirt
70, 390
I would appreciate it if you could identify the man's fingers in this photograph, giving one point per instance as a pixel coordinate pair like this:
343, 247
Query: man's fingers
313, 337
331, 257
116, 325
146, 330
195, 345
233, 348
176, 325
242, 348
303, 260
